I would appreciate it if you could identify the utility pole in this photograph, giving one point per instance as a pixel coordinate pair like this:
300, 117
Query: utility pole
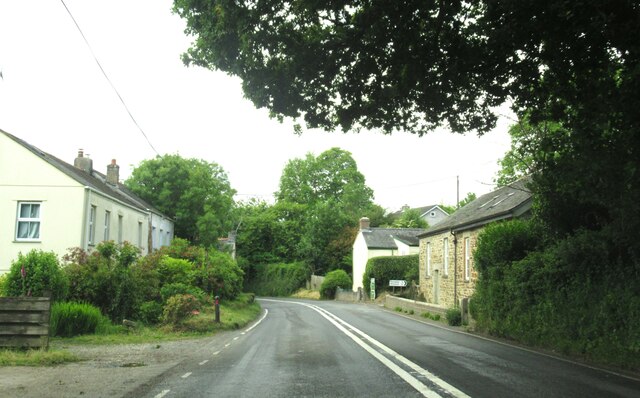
457, 191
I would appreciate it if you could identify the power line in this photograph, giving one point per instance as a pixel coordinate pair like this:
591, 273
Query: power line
109, 80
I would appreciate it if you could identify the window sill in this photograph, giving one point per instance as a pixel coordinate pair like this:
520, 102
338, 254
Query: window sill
27, 241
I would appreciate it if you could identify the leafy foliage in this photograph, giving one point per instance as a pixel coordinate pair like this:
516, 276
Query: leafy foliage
36, 274
454, 317
387, 268
573, 295
281, 279
194, 193
179, 308
410, 218
332, 281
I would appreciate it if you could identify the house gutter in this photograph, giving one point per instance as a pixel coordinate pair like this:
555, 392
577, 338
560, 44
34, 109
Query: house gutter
87, 200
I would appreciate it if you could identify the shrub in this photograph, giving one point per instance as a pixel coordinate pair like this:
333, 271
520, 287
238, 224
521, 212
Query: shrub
36, 274
387, 268
179, 308
71, 319
332, 281
174, 270
454, 317
3, 285
150, 312
180, 288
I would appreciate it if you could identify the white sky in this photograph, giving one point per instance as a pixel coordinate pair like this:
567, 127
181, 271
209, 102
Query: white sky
54, 96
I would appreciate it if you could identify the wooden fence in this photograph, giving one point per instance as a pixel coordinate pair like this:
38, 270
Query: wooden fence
24, 322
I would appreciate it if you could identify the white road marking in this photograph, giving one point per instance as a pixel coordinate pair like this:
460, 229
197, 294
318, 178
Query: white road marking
266, 311
415, 383
216, 353
227, 345
184, 376
236, 338
162, 394
203, 362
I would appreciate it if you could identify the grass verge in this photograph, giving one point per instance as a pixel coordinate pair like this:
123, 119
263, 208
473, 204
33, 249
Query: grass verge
233, 315
307, 294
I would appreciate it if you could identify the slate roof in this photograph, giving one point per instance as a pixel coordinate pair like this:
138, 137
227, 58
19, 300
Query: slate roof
95, 180
505, 202
383, 238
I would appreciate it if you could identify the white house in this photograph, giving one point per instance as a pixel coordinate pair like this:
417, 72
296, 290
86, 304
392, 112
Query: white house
48, 204
377, 242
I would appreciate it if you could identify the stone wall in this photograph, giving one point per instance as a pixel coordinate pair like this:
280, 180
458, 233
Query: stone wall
418, 307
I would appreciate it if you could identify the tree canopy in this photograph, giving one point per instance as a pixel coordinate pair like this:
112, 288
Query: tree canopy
196, 194
415, 65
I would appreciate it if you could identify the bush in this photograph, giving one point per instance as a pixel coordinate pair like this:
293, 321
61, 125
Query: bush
174, 270
71, 319
279, 279
180, 288
109, 278
3, 285
387, 268
179, 308
150, 312
332, 281
36, 274
454, 317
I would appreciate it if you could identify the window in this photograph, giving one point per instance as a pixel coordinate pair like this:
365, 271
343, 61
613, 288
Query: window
467, 260
107, 224
445, 255
119, 229
28, 221
140, 234
428, 259
92, 225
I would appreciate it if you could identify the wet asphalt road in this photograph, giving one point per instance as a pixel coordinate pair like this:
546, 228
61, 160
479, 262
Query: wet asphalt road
328, 349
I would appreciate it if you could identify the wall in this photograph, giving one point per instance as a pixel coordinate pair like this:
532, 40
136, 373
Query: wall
418, 307
465, 288
61, 197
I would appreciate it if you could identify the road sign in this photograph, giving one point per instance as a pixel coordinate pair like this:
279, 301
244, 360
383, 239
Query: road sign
397, 283
372, 287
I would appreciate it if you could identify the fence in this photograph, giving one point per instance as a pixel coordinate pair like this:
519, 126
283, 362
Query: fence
24, 321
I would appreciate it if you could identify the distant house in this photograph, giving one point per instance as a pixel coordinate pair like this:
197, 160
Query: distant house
432, 214
447, 272
54, 206
376, 242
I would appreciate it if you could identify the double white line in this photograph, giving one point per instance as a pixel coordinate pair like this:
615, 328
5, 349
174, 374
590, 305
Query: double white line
361, 338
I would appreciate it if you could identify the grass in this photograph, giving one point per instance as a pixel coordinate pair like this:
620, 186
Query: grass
39, 357
233, 315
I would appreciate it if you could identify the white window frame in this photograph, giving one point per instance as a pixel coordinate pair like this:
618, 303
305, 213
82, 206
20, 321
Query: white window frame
29, 221
428, 258
445, 255
107, 224
140, 234
467, 259
92, 225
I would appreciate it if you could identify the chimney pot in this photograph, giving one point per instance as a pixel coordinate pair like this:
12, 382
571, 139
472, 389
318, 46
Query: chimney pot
82, 162
364, 223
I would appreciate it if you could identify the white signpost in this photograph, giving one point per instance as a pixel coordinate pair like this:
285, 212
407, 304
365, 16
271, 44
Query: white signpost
372, 287
397, 283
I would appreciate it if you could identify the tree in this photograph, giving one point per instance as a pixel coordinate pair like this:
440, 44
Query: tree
194, 193
467, 199
410, 218
414, 65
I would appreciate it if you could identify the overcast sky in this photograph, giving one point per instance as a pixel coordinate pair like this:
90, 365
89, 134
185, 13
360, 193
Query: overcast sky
54, 96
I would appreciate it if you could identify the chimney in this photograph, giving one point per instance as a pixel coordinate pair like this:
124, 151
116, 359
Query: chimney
83, 163
113, 173
364, 223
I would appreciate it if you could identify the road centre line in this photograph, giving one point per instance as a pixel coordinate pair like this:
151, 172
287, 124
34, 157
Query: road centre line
203, 362
162, 394
184, 376
433, 378
406, 376
216, 353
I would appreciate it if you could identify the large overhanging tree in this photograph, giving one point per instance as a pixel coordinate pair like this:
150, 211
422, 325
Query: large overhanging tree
418, 64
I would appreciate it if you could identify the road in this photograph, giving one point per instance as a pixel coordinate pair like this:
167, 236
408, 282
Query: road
328, 349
